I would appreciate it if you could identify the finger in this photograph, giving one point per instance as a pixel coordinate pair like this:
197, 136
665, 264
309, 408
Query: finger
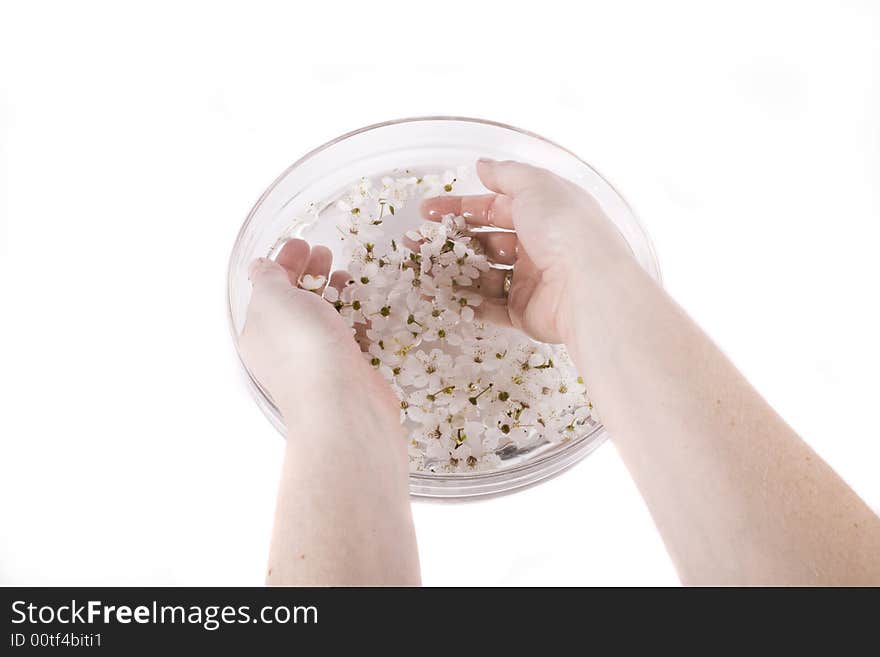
412, 245
494, 311
318, 264
339, 279
521, 291
526, 278
482, 210
491, 283
268, 276
293, 257
508, 177
499, 247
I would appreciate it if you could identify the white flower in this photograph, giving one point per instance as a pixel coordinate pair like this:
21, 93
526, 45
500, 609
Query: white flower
395, 192
467, 390
309, 282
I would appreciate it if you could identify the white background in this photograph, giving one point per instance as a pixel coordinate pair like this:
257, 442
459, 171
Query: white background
133, 141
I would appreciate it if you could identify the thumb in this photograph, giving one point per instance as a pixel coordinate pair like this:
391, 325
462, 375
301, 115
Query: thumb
270, 282
508, 177
268, 276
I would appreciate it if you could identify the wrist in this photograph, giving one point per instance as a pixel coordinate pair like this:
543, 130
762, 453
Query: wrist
309, 390
595, 289
340, 405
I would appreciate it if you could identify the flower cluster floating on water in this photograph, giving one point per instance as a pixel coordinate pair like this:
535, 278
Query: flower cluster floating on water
470, 392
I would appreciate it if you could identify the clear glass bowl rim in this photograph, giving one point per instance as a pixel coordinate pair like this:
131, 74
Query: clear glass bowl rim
466, 485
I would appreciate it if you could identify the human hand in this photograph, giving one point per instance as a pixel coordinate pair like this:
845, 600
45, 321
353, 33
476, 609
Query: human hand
294, 342
343, 515
562, 241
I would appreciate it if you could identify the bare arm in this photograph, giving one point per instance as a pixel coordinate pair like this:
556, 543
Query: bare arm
343, 512
737, 496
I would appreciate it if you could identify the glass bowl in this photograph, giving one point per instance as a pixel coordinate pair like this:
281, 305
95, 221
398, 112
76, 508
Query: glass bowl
431, 143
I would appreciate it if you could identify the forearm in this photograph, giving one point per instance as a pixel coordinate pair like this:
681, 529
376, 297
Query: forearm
343, 513
735, 493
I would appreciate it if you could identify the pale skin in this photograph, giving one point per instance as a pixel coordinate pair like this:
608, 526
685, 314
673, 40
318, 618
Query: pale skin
737, 496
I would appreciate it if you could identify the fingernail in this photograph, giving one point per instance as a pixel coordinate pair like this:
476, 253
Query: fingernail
485, 160
428, 208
